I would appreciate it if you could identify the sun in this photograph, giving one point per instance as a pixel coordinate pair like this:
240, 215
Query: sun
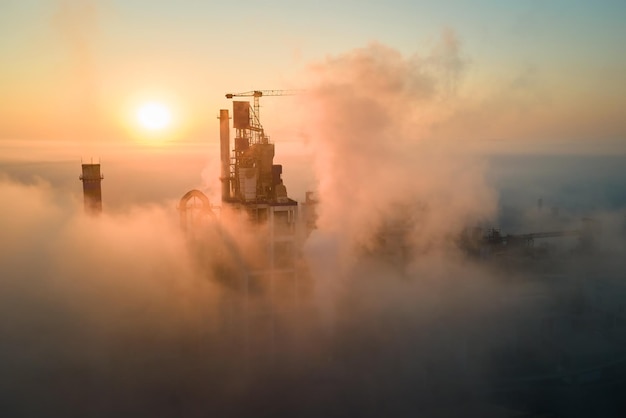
154, 116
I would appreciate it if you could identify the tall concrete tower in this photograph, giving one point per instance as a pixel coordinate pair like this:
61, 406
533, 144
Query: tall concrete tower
92, 189
225, 153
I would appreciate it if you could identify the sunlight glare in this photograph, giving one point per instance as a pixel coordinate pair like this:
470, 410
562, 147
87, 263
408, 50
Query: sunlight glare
154, 116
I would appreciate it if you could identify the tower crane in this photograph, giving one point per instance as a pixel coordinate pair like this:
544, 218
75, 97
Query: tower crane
257, 94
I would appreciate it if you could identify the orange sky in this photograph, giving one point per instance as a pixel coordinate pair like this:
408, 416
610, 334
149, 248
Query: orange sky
77, 71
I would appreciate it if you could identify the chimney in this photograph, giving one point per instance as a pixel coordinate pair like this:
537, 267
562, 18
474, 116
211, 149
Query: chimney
92, 190
225, 153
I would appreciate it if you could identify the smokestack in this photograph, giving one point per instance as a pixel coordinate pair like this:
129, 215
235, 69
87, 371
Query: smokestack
225, 153
92, 189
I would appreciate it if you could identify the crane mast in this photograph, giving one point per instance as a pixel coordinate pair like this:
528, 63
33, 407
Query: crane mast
256, 95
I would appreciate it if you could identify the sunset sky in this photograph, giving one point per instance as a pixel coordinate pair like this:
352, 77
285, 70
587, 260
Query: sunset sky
530, 70
463, 254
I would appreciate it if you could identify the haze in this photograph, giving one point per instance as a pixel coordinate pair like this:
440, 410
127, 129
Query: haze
440, 116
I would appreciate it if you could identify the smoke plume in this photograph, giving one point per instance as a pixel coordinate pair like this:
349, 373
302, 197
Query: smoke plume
373, 156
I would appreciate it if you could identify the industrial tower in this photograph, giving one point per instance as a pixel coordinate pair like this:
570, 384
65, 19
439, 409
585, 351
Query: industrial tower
92, 188
252, 183
274, 281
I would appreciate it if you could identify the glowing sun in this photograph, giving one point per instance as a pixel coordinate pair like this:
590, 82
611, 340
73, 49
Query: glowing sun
154, 116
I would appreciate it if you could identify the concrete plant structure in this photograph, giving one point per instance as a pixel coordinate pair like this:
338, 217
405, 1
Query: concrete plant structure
92, 188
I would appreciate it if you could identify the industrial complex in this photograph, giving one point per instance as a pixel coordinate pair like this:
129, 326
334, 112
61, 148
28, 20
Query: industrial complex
570, 333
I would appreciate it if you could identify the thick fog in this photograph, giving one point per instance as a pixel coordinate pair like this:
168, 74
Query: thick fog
123, 314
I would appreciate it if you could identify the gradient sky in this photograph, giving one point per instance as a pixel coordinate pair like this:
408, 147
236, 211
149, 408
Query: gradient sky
78, 69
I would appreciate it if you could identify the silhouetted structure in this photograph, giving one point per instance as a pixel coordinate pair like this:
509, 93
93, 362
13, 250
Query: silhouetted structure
254, 185
193, 201
92, 188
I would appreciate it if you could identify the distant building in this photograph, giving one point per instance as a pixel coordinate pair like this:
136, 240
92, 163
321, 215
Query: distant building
92, 188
